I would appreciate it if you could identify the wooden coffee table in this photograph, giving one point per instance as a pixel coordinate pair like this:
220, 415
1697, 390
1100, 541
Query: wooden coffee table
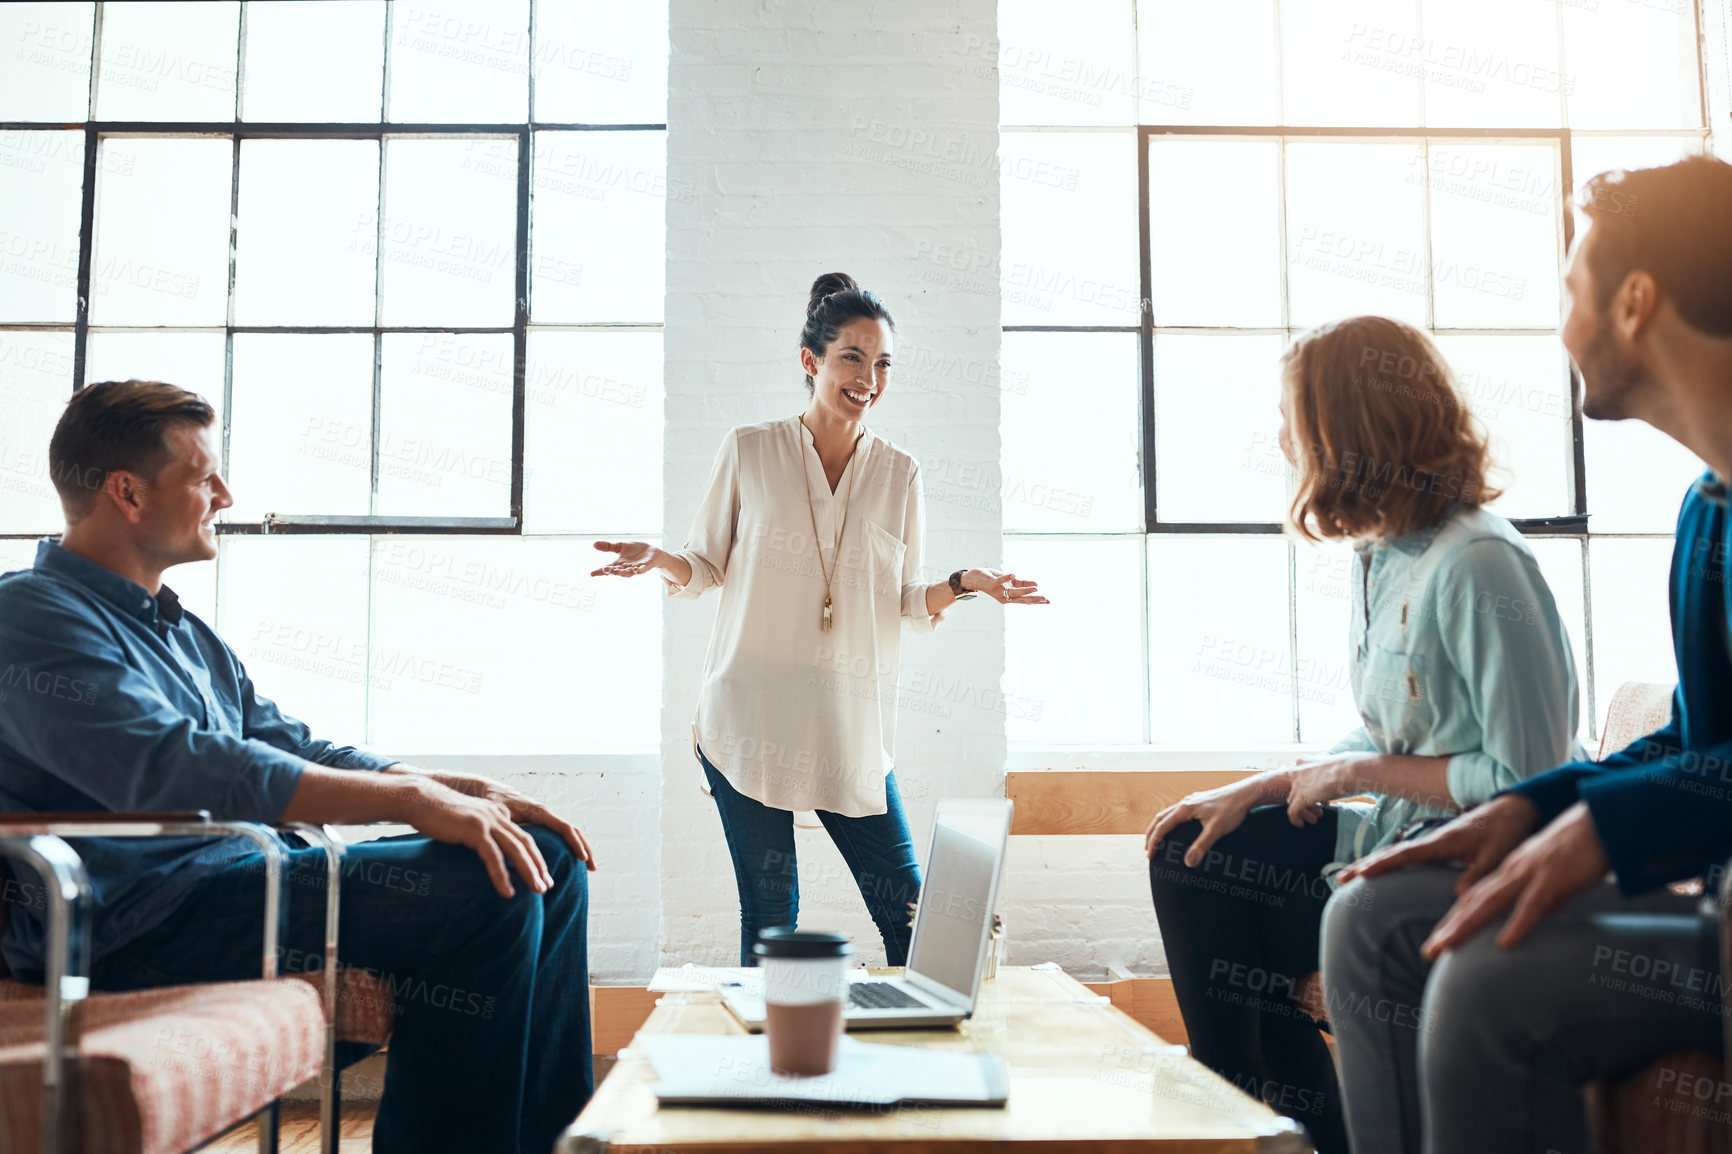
1083, 1077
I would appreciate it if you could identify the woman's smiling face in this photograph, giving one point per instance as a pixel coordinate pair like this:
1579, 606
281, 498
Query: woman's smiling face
854, 371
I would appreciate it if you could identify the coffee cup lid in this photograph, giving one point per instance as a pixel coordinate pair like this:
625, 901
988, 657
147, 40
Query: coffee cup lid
788, 942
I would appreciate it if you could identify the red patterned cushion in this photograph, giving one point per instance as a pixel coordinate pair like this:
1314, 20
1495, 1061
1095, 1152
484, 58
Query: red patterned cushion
366, 1005
1637, 709
164, 1070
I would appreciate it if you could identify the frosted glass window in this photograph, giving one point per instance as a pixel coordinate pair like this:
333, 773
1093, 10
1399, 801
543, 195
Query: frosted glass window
307, 232
1490, 63
1592, 155
1214, 232
301, 434
1061, 64
195, 583
47, 75
1323, 599
1070, 438
1632, 623
162, 231
1217, 414
35, 384
1070, 233
167, 61
472, 680
592, 457
445, 425
1350, 62
41, 174
601, 63
460, 62
1355, 232
1051, 697
450, 231
16, 555
600, 226
342, 45
1219, 652
295, 610
191, 359
1206, 63
1632, 65
1519, 386
1560, 560
1637, 477
1495, 258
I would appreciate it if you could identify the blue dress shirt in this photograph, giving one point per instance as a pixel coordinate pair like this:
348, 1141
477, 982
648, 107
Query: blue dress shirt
112, 699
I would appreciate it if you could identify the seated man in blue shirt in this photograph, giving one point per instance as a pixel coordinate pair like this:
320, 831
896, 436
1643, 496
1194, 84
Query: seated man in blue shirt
115, 698
1471, 1004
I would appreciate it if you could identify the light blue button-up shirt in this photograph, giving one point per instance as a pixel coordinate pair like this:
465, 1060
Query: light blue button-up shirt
1457, 651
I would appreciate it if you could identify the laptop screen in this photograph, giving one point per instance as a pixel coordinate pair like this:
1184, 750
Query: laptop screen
956, 899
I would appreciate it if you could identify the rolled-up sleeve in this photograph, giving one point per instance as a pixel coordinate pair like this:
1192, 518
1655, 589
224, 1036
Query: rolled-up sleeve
1501, 631
914, 610
105, 729
711, 540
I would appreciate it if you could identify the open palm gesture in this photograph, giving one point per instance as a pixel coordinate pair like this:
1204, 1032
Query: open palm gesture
635, 557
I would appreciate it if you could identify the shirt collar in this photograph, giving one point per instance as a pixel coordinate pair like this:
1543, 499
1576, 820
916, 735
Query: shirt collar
127, 596
806, 433
1712, 488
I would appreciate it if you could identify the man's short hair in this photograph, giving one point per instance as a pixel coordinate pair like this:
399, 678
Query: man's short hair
117, 426
1674, 223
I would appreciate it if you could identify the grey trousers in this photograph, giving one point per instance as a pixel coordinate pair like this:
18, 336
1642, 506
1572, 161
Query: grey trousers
1487, 1050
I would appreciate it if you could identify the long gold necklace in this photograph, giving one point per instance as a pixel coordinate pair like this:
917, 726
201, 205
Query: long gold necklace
836, 563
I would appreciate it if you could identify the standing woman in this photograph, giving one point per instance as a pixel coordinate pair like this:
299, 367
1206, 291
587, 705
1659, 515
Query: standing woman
1462, 675
813, 528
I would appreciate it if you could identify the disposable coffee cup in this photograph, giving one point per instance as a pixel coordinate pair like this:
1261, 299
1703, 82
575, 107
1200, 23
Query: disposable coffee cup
805, 980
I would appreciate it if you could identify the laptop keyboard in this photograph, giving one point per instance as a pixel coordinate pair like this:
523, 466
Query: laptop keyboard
882, 996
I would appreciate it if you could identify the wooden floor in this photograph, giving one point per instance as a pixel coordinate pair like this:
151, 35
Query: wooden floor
299, 1132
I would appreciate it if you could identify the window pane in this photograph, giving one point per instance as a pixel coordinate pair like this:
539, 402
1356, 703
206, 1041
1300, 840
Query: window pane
1560, 561
35, 384
445, 425
16, 555
301, 438
1355, 232
1096, 585
295, 610
1592, 155
1070, 231
460, 62
41, 175
306, 232
162, 231
1632, 623
1487, 63
167, 61
601, 63
483, 678
195, 583
1206, 63
1214, 229
1217, 410
192, 360
47, 77
593, 433
1637, 477
1219, 667
1520, 387
1064, 64
450, 231
1070, 438
1324, 603
600, 226
1632, 65
1494, 256
1349, 62
342, 44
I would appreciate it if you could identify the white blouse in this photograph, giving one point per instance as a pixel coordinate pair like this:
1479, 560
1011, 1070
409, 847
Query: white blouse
794, 717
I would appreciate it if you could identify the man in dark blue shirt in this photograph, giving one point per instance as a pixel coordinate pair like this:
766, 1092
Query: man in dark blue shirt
1470, 1004
114, 698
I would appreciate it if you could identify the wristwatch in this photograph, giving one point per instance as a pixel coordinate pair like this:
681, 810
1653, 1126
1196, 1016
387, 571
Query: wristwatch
956, 586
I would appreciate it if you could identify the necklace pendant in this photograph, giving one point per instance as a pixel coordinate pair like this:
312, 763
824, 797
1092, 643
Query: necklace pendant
826, 613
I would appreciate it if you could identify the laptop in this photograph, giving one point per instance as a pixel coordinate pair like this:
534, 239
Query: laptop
952, 932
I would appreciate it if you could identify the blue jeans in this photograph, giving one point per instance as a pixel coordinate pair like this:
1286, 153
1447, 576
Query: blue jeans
879, 851
491, 1048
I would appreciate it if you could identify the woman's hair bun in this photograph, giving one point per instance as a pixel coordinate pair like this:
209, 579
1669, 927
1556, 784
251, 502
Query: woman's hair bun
830, 282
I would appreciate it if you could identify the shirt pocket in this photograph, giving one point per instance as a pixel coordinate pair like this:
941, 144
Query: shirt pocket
884, 553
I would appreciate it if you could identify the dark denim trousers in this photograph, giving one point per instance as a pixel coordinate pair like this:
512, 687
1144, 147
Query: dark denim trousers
879, 851
491, 1049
